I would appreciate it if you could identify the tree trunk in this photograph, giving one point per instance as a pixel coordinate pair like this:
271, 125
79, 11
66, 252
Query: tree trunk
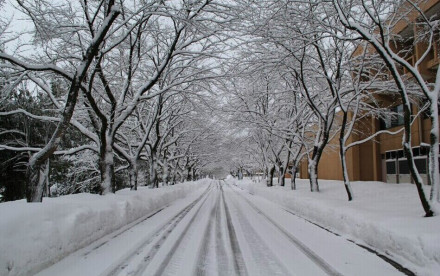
173, 181
342, 154
188, 175
182, 177
293, 178
165, 175
106, 161
434, 154
269, 180
313, 176
133, 171
286, 165
154, 178
345, 175
153, 173
107, 169
147, 176
46, 178
194, 176
34, 189
282, 177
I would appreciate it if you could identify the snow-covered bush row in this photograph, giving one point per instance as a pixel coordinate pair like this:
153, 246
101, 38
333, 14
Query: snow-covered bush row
32, 236
387, 217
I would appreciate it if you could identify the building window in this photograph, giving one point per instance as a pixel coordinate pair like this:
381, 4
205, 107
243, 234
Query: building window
403, 167
391, 167
421, 165
395, 120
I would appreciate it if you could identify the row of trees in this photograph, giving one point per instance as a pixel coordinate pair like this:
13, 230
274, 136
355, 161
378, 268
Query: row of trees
109, 88
119, 87
309, 72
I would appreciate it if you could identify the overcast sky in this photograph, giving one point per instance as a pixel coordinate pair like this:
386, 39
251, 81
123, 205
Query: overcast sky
18, 24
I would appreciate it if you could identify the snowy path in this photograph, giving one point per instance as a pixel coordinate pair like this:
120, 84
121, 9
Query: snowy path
222, 231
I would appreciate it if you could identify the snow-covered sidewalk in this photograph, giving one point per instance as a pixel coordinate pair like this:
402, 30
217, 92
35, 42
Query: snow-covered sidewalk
387, 217
33, 236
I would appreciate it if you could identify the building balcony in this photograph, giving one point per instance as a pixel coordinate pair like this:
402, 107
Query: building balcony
435, 60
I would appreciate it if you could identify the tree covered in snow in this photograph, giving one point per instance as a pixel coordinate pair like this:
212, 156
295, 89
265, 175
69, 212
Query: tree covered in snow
157, 50
134, 52
126, 93
295, 43
259, 108
375, 24
54, 27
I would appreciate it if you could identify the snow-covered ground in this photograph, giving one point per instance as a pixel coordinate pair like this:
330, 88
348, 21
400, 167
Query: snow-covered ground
215, 227
222, 230
386, 217
35, 235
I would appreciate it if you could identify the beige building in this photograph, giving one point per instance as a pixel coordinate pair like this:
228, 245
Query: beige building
383, 159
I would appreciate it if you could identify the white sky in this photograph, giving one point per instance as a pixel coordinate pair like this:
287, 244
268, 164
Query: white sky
18, 24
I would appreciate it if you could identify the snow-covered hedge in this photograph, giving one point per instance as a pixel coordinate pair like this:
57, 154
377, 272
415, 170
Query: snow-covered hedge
387, 217
34, 235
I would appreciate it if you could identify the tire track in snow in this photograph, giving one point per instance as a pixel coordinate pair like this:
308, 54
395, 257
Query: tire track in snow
326, 267
166, 261
239, 265
222, 237
263, 260
213, 257
160, 236
207, 242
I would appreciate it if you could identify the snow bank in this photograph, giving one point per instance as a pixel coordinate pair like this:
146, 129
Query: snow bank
35, 235
387, 217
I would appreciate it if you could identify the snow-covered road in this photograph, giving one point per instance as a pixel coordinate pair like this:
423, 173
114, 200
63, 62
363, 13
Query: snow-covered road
222, 230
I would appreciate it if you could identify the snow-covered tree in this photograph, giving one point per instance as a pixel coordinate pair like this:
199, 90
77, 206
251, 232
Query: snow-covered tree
148, 50
54, 27
382, 17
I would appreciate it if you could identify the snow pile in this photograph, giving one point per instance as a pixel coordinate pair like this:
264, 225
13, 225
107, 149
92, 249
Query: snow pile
35, 235
387, 217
